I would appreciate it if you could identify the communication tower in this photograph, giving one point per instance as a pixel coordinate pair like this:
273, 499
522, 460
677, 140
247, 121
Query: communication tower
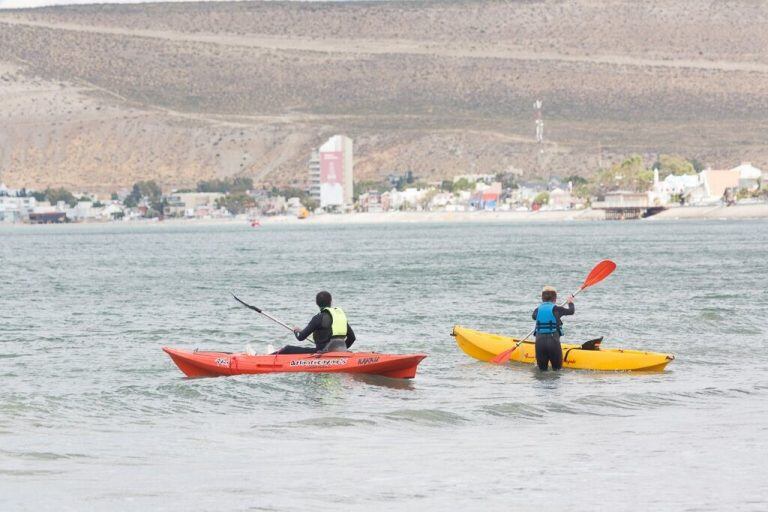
539, 122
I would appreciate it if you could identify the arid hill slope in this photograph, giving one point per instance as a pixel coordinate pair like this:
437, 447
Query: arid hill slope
100, 96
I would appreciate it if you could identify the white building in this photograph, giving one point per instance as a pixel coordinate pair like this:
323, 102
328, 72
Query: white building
408, 199
749, 175
16, 209
336, 173
688, 186
293, 206
112, 211
560, 199
83, 210
187, 204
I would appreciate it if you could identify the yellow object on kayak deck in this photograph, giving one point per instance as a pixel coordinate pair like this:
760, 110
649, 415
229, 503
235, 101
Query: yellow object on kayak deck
484, 346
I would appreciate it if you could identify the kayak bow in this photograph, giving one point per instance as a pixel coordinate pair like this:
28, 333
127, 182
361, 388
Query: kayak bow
214, 364
485, 346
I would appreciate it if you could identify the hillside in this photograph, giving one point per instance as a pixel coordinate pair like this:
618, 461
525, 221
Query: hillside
100, 96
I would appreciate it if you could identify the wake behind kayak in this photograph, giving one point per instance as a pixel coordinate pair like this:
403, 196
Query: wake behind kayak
214, 364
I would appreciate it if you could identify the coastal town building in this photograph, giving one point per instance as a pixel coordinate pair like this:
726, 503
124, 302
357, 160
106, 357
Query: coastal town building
442, 201
623, 204
716, 182
16, 209
191, 204
370, 202
82, 211
331, 174
486, 197
313, 190
707, 187
526, 192
47, 217
293, 206
750, 177
681, 187
560, 199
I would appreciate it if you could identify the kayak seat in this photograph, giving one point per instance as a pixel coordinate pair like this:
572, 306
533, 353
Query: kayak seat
592, 344
335, 346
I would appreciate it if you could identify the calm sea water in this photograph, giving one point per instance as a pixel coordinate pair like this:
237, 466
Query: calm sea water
94, 416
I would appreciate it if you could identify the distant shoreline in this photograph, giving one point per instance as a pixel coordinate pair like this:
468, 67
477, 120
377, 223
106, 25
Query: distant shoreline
737, 212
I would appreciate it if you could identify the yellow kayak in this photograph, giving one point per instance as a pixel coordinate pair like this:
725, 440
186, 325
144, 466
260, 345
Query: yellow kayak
484, 346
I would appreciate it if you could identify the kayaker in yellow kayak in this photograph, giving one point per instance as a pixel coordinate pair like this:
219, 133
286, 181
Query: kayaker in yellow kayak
549, 328
329, 329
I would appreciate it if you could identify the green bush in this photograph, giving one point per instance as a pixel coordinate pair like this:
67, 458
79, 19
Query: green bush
542, 198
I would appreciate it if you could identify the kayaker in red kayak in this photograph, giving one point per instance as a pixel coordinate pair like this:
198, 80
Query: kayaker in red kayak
329, 329
549, 328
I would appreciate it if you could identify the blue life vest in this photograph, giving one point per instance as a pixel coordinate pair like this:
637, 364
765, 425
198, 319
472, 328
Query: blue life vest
546, 321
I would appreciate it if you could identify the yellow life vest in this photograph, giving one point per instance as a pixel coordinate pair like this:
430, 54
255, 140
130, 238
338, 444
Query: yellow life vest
339, 322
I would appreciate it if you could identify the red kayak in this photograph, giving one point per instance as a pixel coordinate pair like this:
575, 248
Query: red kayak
213, 364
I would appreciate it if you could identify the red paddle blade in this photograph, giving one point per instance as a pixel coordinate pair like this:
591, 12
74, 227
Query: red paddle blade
600, 272
503, 357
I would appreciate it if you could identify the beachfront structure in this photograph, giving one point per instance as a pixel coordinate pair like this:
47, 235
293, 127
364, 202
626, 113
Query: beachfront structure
486, 197
624, 199
687, 186
560, 199
750, 177
405, 199
526, 192
709, 186
336, 173
442, 201
622, 204
370, 201
53, 217
293, 206
82, 211
716, 182
191, 204
16, 209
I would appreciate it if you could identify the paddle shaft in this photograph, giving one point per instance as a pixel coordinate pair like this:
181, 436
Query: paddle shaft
259, 311
276, 320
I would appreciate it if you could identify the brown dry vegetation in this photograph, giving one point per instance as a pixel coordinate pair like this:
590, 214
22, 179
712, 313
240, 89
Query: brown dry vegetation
104, 95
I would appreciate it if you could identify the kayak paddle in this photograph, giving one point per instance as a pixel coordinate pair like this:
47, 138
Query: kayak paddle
598, 273
263, 313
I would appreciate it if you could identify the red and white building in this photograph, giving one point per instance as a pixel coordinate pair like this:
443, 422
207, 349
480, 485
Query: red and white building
331, 175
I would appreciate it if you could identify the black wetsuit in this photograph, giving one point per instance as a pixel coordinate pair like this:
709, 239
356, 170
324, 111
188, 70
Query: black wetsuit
548, 348
320, 329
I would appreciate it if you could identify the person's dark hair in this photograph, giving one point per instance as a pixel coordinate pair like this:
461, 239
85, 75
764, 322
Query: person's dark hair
548, 296
323, 299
